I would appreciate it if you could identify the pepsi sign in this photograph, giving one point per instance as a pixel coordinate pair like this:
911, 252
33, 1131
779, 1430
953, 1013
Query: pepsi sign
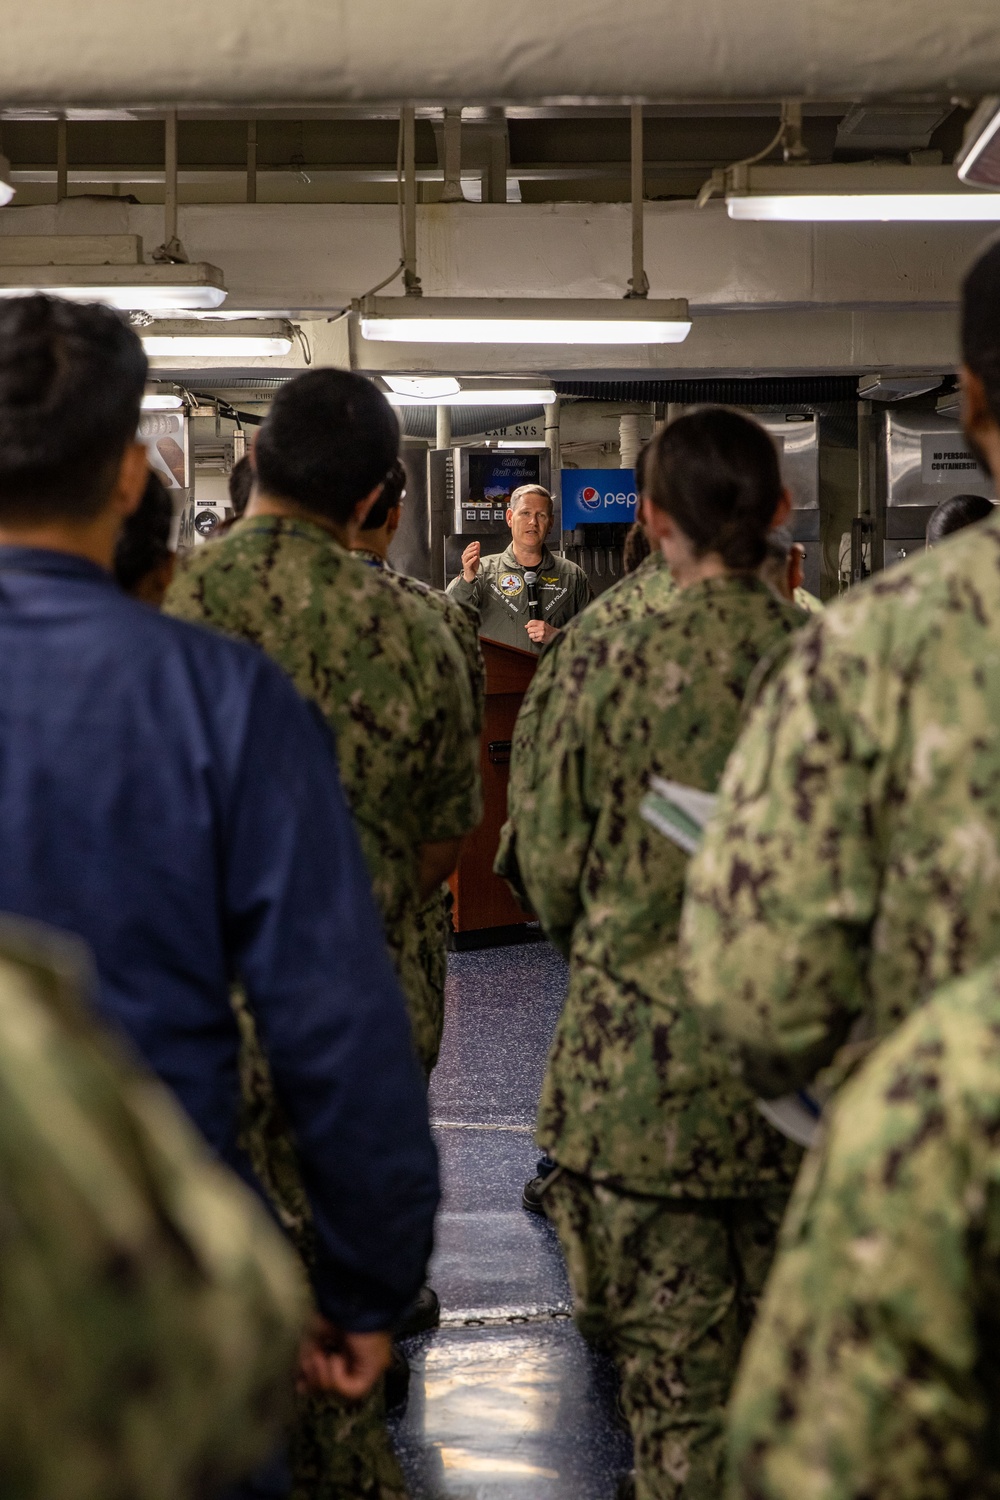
595, 497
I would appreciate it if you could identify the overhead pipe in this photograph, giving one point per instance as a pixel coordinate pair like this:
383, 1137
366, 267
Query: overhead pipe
252, 161
638, 281
171, 251
254, 53
62, 159
411, 281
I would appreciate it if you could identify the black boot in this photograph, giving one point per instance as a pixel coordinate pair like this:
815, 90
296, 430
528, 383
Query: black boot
423, 1314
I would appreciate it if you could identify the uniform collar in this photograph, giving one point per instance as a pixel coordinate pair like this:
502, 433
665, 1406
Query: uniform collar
301, 526
727, 583
510, 561
53, 564
370, 559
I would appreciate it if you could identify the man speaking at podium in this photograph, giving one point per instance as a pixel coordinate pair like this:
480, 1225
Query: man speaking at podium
525, 595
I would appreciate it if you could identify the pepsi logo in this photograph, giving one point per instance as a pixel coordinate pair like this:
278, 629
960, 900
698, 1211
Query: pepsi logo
590, 498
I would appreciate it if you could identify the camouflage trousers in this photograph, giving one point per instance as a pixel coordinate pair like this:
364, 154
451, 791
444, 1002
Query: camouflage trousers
338, 1450
424, 969
669, 1287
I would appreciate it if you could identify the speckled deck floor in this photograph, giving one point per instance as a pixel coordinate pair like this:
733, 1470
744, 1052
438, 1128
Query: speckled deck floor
506, 1400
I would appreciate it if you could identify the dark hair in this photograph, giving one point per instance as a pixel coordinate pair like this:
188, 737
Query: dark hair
393, 488
716, 473
981, 323
774, 564
240, 485
641, 464
955, 513
636, 548
71, 383
328, 439
144, 542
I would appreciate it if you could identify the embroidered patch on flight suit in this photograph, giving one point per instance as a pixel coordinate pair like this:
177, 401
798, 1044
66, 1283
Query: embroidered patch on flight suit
510, 583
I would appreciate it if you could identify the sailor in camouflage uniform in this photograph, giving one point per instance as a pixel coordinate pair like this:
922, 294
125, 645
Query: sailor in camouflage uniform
874, 1365
151, 1313
853, 865
670, 1184
391, 682
387, 674
432, 924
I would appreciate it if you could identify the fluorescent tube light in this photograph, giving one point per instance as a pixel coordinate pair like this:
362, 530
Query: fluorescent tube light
131, 288
161, 403
203, 338
853, 208
427, 387
855, 194
214, 346
512, 396
510, 320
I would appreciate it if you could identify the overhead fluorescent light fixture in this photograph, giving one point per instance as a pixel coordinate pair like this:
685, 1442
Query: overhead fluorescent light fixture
6, 187
515, 320
519, 395
424, 387
156, 402
197, 339
131, 288
896, 387
854, 194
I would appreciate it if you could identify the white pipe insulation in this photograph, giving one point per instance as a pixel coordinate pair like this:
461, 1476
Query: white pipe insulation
629, 440
247, 53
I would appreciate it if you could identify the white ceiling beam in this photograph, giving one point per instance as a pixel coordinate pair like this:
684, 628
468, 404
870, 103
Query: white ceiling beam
816, 342
742, 344
293, 258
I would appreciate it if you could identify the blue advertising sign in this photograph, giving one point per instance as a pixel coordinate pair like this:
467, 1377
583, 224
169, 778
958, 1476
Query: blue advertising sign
592, 497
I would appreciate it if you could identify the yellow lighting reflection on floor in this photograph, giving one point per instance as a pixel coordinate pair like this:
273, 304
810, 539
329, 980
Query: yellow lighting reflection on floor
490, 1407
474, 1463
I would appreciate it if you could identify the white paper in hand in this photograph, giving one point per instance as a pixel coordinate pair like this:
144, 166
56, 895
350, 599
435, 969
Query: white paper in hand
677, 811
680, 813
796, 1116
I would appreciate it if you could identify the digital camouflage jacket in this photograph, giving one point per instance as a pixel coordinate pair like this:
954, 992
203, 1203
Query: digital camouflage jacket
427, 939
151, 1311
646, 591
853, 865
391, 682
874, 1365
632, 1095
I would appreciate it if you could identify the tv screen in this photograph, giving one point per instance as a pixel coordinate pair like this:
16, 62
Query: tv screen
493, 477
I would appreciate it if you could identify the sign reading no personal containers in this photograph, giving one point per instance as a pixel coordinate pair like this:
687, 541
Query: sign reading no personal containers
595, 497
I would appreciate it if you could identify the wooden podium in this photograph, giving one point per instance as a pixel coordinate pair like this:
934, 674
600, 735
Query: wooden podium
482, 899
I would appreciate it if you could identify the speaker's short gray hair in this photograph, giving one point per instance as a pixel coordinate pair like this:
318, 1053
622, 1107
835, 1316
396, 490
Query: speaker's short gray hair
530, 489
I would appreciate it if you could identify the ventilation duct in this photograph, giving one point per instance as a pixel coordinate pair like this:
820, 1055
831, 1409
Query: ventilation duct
466, 421
255, 53
767, 391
